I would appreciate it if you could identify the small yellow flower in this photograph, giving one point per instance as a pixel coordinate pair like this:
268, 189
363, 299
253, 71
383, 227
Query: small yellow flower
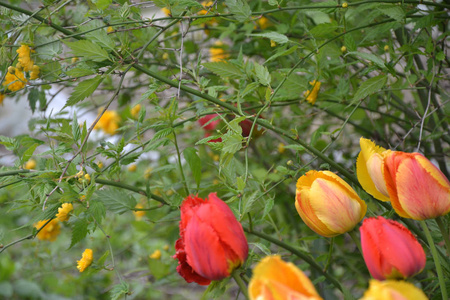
82, 198
24, 57
263, 23
273, 44
217, 53
2, 97
216, 157
166, 11
156, 254
11, 70
139, 214
63, 212
386, 48
87, 177
109, 122
109, 29
31, 164
79, 174
169, 193
343, 49
135, 110
216, 181
166, 247
100, 164
35, 71
165, 56
74, 59
50, 232
344, 5
16, 81
132, 168
311, 96
85, 261
281, 148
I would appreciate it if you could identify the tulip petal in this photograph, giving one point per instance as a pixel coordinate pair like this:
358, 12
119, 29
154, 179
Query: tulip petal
333, 206
377, 187
393, 290
184, 269
208, 262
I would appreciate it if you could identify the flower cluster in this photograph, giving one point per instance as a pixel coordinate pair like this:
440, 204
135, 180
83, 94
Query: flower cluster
15, 78
50, 232
109, 122
85, 261
63, 212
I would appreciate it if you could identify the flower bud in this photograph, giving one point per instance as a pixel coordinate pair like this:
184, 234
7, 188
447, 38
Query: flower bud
278, 280
390, 250
418, 189
327, 204
212, 242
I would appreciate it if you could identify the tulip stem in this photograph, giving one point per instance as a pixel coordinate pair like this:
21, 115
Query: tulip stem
436, 260
355, 240
444, 233
240, 283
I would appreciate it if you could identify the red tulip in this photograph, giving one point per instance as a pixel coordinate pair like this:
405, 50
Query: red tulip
390, 250
212, 242
418, 190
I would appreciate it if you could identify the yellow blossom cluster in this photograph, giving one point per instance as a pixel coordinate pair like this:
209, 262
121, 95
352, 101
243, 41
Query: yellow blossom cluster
263, 23
15, 78
50, 232
139, 214
217, 53
29, 165
85, 261
135, 110
63, 212
156, 254
109, 122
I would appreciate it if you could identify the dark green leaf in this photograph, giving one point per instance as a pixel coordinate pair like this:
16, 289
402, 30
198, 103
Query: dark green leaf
116, 200
79, 231
88, 50
195, 163
370, 86
239, 8
84, 89
224, 69
274, 36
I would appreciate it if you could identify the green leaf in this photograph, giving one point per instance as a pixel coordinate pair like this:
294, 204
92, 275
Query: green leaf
76, 132
268, 206
324, 30
102, 4
282, 53
248, 202
370, 57
79, 231
232, 143
224, 69
33, 97
79, 72
195, 163
370, 86
53, 48
97, 210
116, 200
83, 90
88, 50
394, 11
274, 36
101, 38
239, 8
262, 74
119, 290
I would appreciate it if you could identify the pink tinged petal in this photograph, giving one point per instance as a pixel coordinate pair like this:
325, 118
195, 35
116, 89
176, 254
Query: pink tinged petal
401, 250
333, 206
374, 166
419, 193
205, 253
369, 244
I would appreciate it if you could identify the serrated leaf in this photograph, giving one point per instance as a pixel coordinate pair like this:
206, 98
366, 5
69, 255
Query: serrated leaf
119, 290
33, 97
394, 11
79, 72
79, 231
239, 8
232, 143
101, 38
274, 36
224, 69
162, 133
282, 53
370, 86
262, 74
116, 200
76, 132
88, 50
370, 57
83, 90
102, 4
248, 202
268, 206
195, 163
97, 210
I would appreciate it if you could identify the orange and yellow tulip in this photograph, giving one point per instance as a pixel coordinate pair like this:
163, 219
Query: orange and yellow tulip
390, 250
418, 189
275, 279
393, 290
369, 169
327, 204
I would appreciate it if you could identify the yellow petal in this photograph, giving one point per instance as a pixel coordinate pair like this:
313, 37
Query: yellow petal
393, 290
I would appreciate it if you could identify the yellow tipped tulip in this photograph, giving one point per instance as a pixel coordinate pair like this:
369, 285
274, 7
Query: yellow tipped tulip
393, 290
275, 279
327, 204
417, 188
369, 169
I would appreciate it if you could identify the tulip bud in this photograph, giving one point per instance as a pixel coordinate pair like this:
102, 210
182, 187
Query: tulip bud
369, 169
390, 250
206, 124
393, 290
418, 190
212, 242
327, 204
275, 279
